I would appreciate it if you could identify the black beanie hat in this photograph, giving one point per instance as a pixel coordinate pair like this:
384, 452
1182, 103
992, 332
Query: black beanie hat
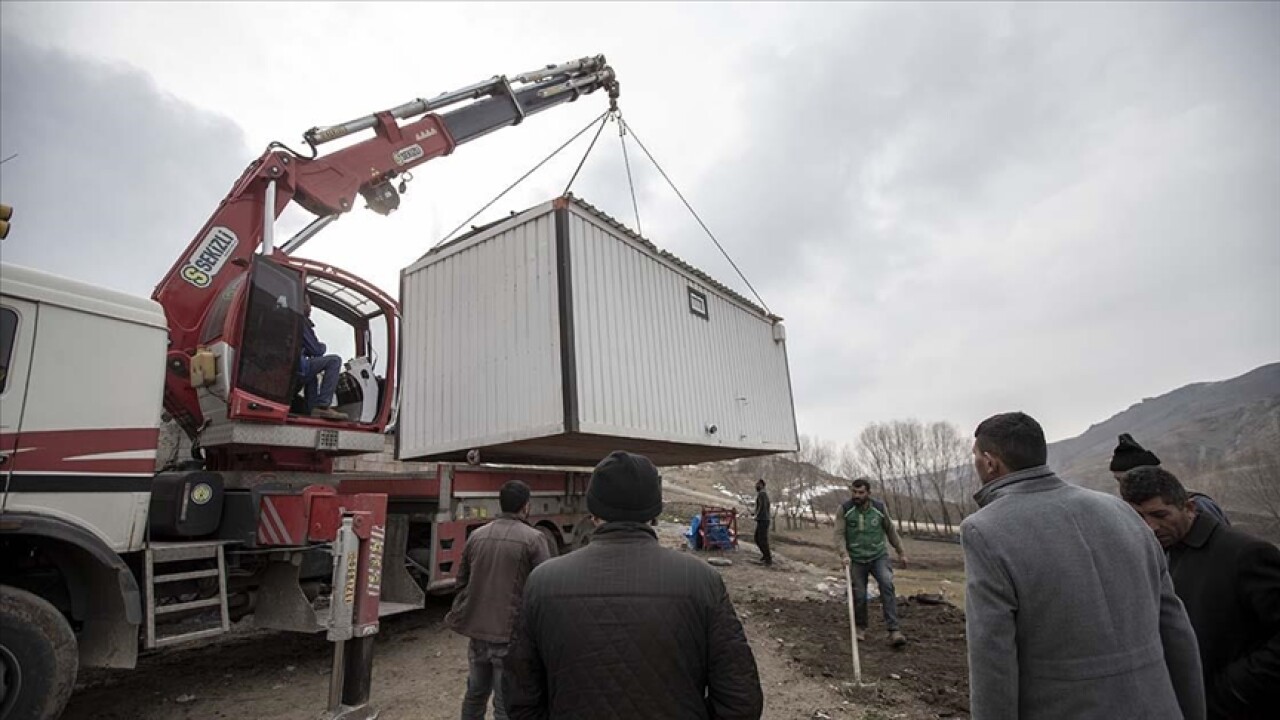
1129, 455
625, 487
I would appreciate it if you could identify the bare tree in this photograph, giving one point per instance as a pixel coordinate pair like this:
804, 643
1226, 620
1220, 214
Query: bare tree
742, 482
902, 441
922, 471
964, 482
818, 459
789, 481
875, 451
914, 443
1257, 480
848, 466
945, 456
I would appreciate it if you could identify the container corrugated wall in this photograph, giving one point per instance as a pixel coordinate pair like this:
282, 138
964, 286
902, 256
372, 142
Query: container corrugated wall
555, 336
481, 351
648, 367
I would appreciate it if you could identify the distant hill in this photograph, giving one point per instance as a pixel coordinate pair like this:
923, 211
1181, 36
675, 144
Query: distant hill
1201, 433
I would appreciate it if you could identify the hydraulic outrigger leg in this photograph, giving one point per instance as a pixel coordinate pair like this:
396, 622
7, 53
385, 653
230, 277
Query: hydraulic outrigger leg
356, 578
356, 526
357, 572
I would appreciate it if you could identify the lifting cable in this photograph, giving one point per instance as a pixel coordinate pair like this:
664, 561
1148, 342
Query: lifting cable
623, 129
622, 136
599, 119
680, 195
607, 117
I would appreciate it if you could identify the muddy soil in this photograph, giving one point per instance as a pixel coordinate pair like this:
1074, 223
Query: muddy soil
926, 679
420, 667
420, 671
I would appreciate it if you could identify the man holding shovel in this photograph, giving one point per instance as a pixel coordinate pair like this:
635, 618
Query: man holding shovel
863, 533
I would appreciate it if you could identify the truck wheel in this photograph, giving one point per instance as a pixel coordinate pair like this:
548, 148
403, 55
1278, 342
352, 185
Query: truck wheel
582, 533
552, 542
38, 658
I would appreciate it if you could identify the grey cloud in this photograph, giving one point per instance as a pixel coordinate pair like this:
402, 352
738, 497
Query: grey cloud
113, 176
964, 110
1097, 165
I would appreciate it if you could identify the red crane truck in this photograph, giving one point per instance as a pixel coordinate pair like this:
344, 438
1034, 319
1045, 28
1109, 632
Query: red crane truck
102, 556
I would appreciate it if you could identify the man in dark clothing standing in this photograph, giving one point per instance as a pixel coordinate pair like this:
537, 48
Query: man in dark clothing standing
1129, 455
864, 532
1230, 585
762, 524
496, 561
626, 629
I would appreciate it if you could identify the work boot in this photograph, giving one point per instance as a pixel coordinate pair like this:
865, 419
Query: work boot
327, 414
862, 634
897, 639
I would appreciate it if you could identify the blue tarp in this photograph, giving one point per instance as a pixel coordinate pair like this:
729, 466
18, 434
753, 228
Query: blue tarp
693, 537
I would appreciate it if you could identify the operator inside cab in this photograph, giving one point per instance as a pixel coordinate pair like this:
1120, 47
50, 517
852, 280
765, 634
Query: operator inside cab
319, 372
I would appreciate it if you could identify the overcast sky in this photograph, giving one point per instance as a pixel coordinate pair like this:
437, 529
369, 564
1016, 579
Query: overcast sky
959, 209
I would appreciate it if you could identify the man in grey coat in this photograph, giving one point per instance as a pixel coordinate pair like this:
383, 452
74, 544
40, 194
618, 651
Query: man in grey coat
1070, 610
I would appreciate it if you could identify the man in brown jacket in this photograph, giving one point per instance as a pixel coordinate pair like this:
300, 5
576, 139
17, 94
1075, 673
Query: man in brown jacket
495, 563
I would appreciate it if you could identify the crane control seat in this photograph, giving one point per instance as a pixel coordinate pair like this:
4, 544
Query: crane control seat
358, 395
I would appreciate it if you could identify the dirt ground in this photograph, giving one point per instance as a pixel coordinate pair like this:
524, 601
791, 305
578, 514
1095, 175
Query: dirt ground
794, 614
797, 612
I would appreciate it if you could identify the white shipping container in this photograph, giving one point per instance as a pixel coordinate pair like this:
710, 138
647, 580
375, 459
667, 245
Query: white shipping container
557, 335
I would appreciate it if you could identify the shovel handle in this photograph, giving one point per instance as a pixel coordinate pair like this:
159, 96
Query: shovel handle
853, 627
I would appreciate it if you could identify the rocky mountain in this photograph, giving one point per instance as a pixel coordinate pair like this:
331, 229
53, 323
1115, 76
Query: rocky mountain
1202, 433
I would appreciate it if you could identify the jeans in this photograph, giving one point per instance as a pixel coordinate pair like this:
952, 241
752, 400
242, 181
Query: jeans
883, 573
762, 541
331, 366
485, 660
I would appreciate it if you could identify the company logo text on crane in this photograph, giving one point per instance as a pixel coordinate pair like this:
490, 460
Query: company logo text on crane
209, 256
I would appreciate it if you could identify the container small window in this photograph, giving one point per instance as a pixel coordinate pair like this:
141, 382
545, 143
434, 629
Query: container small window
698, 303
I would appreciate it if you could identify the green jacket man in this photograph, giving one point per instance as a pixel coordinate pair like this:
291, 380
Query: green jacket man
864, 532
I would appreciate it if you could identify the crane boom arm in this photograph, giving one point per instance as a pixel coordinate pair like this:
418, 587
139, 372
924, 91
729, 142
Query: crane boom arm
327, 186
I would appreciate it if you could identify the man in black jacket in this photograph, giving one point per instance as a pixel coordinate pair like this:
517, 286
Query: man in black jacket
624, 628
1230, 585
762, 524
1129, 455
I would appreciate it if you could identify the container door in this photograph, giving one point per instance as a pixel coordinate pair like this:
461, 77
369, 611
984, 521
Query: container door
17, 339
268, 344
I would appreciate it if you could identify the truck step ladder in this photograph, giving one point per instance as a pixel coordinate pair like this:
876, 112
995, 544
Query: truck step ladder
161, 554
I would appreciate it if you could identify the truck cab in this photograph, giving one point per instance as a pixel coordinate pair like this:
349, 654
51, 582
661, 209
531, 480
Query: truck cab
79, 401
81, 371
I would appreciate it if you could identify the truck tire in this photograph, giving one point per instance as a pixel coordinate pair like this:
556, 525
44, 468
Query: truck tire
38, 657
582, 533
553, 543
